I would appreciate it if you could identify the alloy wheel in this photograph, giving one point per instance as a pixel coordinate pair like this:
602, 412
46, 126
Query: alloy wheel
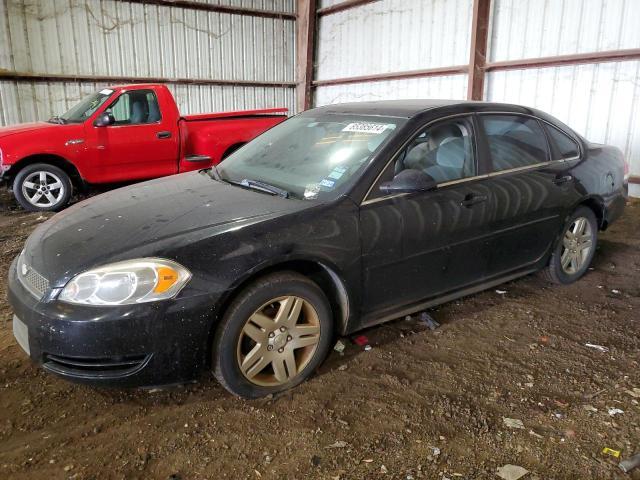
278, 341
576, 245
43, 189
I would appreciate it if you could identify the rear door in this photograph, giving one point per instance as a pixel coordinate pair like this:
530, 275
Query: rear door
140, 144
528, 189
419, 245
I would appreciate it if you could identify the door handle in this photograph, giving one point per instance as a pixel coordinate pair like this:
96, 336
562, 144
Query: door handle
473, 199
164, 134
562, 179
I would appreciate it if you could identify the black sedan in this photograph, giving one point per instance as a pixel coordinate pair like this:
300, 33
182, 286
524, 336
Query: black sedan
337, 219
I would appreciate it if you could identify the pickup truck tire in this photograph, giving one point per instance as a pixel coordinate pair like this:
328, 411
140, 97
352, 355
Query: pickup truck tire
273, 336
42, 187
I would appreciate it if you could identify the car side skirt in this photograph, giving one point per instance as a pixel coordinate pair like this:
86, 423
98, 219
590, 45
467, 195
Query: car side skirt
376, 318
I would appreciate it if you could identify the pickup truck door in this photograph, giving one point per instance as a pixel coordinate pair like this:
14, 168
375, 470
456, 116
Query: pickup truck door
141, 142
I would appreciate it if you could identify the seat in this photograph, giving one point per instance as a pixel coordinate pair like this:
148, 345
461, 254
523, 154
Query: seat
154, 112
450, 161
138, 114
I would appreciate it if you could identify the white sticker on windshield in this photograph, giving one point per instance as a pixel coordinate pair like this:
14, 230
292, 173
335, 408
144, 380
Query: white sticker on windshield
366, 127
106, 91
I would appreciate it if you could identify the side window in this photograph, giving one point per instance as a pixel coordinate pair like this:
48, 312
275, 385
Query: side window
443, 151
135, 108
566, 146
514, 141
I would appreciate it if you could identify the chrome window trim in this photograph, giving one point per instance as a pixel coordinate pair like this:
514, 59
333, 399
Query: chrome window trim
368, 201
543, 121
395, 155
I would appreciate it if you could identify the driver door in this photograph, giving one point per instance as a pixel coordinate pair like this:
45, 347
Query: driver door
139, 144
421, 245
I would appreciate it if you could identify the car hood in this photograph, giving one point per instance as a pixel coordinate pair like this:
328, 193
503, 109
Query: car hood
25, 127
146, 220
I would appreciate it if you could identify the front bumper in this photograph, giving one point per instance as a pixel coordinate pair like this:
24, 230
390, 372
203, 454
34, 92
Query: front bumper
128, 346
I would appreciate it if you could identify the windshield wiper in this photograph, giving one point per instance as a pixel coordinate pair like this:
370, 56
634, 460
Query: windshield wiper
263, 186
57, 119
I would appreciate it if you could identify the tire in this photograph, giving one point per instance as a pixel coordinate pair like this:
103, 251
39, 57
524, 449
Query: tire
555, 271
267, 363
42, 187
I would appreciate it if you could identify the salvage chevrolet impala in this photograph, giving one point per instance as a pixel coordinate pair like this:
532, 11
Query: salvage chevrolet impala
337, 219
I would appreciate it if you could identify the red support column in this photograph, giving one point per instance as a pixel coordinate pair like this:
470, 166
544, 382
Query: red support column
305, 42
479, 41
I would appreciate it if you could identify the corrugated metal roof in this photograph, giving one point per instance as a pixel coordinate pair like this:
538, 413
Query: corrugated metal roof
600, 101
542, 28
393, 35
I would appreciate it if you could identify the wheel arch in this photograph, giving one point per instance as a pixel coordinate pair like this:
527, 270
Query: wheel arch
51, 159
322, 273
596, 204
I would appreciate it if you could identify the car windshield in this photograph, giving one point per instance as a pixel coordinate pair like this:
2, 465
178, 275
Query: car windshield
310, 156
87, 107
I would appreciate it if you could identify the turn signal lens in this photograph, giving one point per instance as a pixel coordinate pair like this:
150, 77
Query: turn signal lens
129, 282
167, 277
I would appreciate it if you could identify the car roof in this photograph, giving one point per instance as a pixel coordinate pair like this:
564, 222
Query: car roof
411, 108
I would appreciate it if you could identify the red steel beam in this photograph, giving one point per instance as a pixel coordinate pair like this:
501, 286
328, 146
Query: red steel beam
38, 77
305, 40
478, 53
346, 5
429, 72
193, 5
573, 59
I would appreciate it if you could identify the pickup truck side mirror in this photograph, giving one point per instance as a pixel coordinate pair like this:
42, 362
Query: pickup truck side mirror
408, 181
104, 120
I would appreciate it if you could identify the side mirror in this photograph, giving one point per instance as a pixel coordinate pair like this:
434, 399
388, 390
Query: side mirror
408, 181
104, 120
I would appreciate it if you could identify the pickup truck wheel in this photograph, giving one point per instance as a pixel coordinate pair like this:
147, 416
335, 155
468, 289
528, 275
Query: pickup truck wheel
42, 187
273, 336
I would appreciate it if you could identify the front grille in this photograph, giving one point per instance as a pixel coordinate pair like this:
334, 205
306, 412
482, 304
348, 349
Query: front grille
104, 367
32, 280
36, 281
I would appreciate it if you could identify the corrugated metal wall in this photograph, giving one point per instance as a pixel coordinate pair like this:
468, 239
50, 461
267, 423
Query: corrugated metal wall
393, 36
120, 38
450, 86
602, 100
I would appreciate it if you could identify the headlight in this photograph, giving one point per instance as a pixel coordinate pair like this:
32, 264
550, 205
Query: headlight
128, 282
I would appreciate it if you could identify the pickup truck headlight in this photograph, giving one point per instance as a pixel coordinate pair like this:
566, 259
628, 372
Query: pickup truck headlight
129, 282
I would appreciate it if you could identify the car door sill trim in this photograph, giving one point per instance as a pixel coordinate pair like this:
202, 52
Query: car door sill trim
369, 320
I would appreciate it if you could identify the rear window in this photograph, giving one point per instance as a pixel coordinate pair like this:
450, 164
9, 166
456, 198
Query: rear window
565, 145
514, 141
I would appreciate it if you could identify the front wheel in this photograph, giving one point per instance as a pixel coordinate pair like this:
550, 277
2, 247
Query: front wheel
273, 336
575, 249
42, 187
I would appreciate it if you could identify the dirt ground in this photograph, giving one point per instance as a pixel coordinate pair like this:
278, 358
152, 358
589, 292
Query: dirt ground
419, 404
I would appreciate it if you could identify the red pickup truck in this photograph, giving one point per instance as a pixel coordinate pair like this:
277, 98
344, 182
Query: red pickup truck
119, 134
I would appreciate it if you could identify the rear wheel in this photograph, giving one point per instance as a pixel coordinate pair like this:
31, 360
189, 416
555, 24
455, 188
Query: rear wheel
42, 187
273, 336
576, 248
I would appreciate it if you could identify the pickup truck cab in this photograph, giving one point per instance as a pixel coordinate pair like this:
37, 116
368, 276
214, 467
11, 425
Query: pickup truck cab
119, 134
